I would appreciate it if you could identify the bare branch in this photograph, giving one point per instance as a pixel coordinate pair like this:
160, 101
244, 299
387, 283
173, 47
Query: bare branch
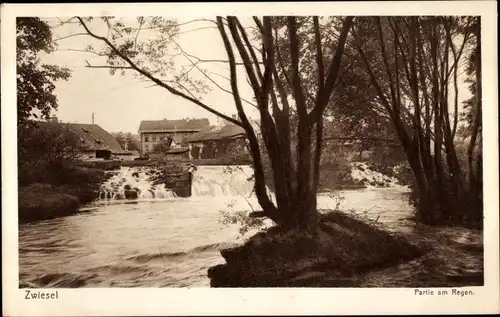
68, 36
197, 29
81, 51
156, 80
108, 66
197, 20
247, 63
194, 65
137, 35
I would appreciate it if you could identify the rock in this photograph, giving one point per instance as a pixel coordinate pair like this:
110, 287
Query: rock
136, 189
127, 187
119, 196
131, 194
342, 249
135, 174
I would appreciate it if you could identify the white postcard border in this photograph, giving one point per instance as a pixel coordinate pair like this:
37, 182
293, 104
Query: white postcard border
197, 301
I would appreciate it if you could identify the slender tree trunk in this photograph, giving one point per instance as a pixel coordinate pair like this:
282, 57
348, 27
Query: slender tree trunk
476, 172
477, 112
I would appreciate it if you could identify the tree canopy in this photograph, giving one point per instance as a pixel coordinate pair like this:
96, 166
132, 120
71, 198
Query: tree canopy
35, 81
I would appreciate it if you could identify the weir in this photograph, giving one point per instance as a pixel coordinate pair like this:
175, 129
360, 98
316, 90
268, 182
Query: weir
222, 181
133, 183
231, 181
146, 183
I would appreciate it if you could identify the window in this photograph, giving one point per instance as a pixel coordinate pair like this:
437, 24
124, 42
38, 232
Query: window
153, 137
146, 139
162, 138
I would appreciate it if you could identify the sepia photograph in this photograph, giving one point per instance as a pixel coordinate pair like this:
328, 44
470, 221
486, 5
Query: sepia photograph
250, 151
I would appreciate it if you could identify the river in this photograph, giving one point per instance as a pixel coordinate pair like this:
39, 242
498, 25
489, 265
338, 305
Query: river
160, 240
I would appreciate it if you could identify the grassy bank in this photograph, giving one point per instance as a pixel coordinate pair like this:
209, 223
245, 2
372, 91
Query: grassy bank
53, 190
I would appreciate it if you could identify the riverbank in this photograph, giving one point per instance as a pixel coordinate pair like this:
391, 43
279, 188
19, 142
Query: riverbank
59, 197
56, 191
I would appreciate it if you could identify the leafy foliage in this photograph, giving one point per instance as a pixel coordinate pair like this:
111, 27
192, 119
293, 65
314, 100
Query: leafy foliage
127, 140
242, 220
45, 148
35, 81
162, 146
471, 70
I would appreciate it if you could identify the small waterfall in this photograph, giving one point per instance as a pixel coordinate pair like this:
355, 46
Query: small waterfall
232, 183
225, 181
133, 183
230, 188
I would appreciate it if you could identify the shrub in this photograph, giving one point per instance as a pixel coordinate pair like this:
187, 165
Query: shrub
241, 218
38, 202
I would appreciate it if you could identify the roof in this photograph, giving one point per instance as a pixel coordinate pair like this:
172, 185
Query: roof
182, 125
92, 136
210, 133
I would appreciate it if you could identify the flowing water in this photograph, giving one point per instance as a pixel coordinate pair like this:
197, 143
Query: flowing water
159, 240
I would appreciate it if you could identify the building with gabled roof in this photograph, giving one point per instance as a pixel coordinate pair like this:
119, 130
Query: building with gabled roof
216, 142
175, 132
212, 133
93, 141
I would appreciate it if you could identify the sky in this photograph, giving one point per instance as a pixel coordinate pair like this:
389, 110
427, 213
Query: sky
119, 103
